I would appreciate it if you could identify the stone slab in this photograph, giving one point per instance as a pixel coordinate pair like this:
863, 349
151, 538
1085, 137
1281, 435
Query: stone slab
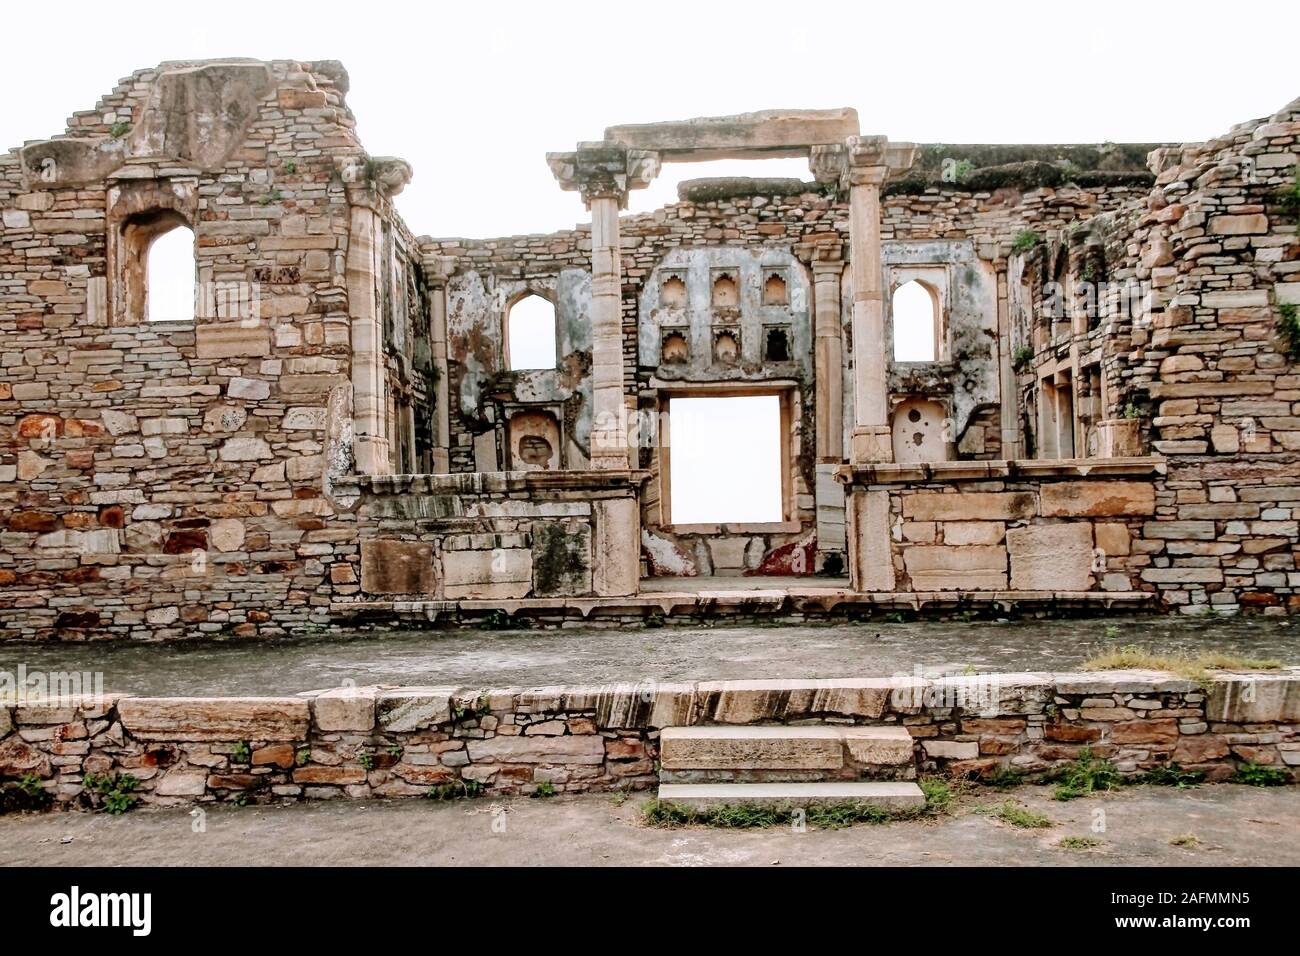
1051, 557
751, 748
392, 566
1094, 499
214, 718
890, 795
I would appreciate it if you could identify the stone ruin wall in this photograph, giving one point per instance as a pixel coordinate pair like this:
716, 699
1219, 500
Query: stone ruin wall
377, 742
921, 222
167, 479
1200, 361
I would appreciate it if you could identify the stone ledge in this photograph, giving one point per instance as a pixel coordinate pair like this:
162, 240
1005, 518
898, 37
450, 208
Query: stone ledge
894, 474
492, 482
812, 599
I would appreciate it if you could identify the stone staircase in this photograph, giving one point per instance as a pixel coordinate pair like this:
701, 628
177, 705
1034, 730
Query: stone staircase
797, 766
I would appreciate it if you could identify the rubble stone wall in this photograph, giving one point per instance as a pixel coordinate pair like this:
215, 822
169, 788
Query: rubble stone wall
356, 743
166, 479
1198, 360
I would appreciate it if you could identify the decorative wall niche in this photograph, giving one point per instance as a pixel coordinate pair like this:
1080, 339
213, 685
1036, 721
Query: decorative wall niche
776, 290
776, 344
676, 350
672, 293
726, 347
534, 440
726, 290
918, 431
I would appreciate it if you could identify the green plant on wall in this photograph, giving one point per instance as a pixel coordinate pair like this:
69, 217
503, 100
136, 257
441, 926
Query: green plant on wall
1025, 240
1288, 328
115, 791
1021, 358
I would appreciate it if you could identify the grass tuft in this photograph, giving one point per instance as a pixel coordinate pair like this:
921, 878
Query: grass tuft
1256, 775
1079, 843
1086, 774
1197, 667
939, 797
1022, 818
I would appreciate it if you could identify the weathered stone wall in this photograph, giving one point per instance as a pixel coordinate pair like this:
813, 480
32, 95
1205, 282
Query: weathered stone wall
943, 225
1196, 358
487, 536
166, 478
391, 742
1004, 526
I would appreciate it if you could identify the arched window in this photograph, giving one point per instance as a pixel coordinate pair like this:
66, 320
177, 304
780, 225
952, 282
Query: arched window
170, 277
530, 334
916, 323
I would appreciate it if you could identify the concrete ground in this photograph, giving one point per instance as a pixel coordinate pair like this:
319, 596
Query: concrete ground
1234, 826
486, 658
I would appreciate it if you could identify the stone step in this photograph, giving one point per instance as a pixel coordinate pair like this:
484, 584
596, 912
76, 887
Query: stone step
816, 747
892, 795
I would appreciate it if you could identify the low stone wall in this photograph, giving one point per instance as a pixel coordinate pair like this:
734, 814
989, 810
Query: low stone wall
390, 742
1060, 526
490, 535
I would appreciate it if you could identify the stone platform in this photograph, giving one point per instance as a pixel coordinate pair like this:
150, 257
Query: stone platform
742, 598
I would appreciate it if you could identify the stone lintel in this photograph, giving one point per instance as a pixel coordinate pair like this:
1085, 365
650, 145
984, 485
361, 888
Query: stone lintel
762, 134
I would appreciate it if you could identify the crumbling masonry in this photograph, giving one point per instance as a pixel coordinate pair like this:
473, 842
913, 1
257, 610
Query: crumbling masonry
1111, 415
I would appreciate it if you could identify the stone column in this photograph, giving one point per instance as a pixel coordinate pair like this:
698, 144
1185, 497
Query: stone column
863, 165
604, 173
437, 270
871, 438
829, 358
370, 183
370, 432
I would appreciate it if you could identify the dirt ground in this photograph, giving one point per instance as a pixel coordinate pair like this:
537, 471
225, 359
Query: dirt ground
1232, 826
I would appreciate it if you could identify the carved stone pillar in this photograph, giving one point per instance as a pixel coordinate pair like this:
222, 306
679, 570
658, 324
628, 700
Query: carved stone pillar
829, 358
604, 173
370, 430
369, 183
862, 166
437, 270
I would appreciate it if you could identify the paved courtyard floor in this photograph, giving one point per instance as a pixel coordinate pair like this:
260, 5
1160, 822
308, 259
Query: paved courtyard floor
485, 658
1221, 825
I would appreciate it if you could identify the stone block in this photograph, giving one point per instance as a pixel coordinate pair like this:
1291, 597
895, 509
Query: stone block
1112, 539
973, 532
344, 709
231, 340
392, 566
751, 748
1051, 557
1097, 499
1255, 699
969, 506
871, 552
616, 559
572, 749
561, 558
182, 782
414, 708
491, 574
214, 718
952, 749
962, 568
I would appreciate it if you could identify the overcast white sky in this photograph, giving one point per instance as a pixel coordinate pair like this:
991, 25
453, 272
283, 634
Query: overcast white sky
474, 93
